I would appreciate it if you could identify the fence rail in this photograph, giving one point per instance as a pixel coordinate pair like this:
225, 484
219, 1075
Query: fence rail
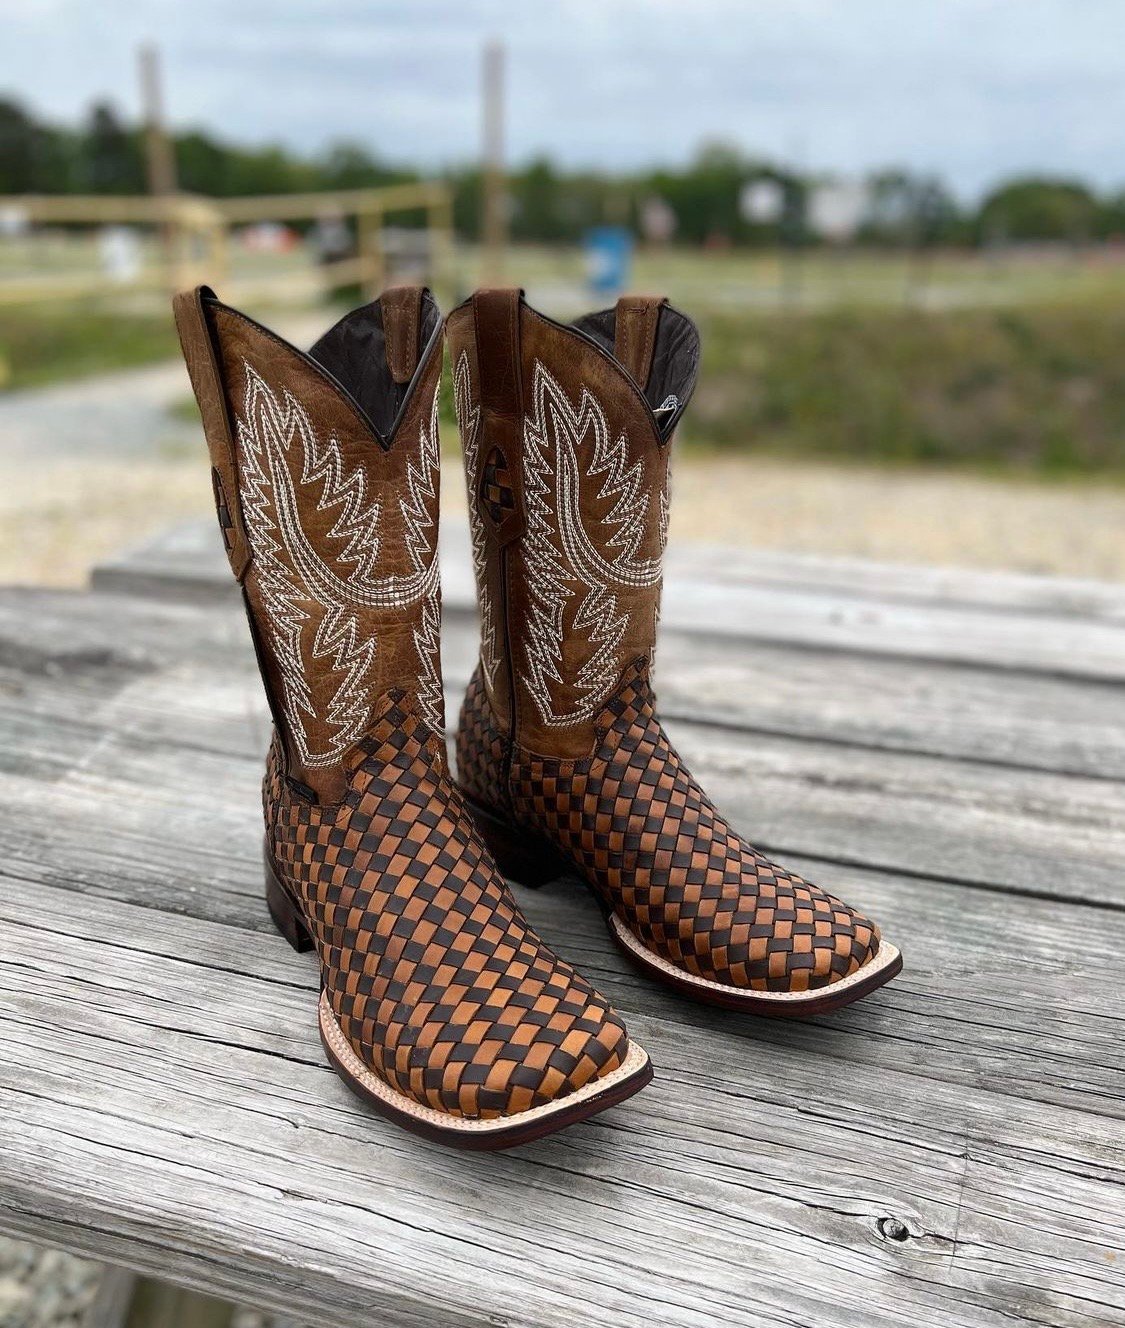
195, 237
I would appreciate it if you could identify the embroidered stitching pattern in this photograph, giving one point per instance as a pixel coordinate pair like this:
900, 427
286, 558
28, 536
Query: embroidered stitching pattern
291, 573
560, 555
468, 424
420, 536
427, 642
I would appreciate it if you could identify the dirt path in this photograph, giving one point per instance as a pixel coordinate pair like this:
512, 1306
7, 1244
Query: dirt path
89, 467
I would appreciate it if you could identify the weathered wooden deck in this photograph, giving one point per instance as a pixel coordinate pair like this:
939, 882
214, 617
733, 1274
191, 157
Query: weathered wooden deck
946, 749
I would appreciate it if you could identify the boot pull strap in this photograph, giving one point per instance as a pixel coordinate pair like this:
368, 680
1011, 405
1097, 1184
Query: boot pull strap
496, 320
634, 338
402, 316
203, 370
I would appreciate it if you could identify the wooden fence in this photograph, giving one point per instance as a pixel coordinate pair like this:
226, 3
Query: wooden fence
195, 238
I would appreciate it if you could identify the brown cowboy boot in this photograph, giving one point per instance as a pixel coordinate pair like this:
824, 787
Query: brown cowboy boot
439, 1004
566, 433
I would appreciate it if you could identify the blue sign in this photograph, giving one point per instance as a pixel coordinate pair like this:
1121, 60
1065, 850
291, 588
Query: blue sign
609, 250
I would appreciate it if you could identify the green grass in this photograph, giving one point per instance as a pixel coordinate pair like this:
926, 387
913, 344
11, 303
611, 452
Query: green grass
186, 411
1013, 365
50, 342
1033, 388
703, 282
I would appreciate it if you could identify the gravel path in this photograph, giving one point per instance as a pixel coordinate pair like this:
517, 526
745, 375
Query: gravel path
43, 1288
89, 467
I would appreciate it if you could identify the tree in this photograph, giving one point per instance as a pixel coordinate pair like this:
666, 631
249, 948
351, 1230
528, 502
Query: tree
1038, 209
352, 166
19, 149
537, 196
112, 155
910, 209
203, 164
1111, 217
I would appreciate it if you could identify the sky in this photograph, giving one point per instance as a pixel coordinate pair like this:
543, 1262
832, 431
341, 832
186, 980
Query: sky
974, 90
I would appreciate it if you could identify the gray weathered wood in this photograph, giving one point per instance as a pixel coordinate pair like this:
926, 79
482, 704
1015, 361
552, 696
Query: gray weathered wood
1031, 831
166, 1090
164, 1102
986, 715
1079, 632
192, 553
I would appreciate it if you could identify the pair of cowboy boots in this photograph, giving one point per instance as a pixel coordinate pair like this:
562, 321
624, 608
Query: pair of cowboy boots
440, 1005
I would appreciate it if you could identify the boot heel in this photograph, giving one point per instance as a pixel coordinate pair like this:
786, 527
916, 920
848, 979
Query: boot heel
286, 916
521, 855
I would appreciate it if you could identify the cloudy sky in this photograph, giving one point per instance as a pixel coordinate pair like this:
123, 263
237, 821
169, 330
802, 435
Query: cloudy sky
972, 89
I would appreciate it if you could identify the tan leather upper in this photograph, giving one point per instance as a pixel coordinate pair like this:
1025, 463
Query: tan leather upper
575, 761
339, 528
567, 483
433, 977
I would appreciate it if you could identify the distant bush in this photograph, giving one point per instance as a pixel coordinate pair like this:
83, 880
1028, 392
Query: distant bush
1039, 388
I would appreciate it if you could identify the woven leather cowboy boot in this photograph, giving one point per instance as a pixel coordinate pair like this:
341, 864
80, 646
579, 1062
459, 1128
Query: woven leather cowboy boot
439, 1004
566, 434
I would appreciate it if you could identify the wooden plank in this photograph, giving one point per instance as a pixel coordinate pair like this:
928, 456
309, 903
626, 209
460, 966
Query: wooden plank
166, 1103
1029, 832
951, 710
868, 701
192, 551
157, 802
185, 563
907, 582
1013, 640
1018, 831
1012, 997
1073, 632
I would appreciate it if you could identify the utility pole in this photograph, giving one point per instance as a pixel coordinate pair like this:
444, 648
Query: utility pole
160, 160
494, 201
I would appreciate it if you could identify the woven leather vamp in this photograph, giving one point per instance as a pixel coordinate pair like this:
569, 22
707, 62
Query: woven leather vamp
646, 837
434, 976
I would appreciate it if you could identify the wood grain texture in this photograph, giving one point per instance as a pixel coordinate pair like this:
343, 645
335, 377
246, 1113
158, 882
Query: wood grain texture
982, 715
1076, 629
947, 1152
1027, 830
165, 1086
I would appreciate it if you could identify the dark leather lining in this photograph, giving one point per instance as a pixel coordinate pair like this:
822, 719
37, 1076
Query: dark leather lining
675, 358
354, 352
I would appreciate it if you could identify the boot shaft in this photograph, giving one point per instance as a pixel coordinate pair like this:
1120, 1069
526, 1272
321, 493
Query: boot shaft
566, 434
325, 468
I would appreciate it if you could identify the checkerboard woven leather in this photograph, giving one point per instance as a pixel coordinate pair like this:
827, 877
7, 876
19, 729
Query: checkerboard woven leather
434, 976
496, 486
641, 831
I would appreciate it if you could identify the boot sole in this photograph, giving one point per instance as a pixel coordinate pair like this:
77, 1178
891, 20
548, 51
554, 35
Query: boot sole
483, 1135
528, 859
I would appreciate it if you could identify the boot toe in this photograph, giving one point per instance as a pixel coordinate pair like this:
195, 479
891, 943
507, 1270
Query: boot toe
770, 932
556, 1061
519, 1045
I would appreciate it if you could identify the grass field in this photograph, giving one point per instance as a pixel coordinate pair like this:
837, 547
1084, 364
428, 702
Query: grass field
703, 282
805, 434
55, 341
995, 363
1034, 387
